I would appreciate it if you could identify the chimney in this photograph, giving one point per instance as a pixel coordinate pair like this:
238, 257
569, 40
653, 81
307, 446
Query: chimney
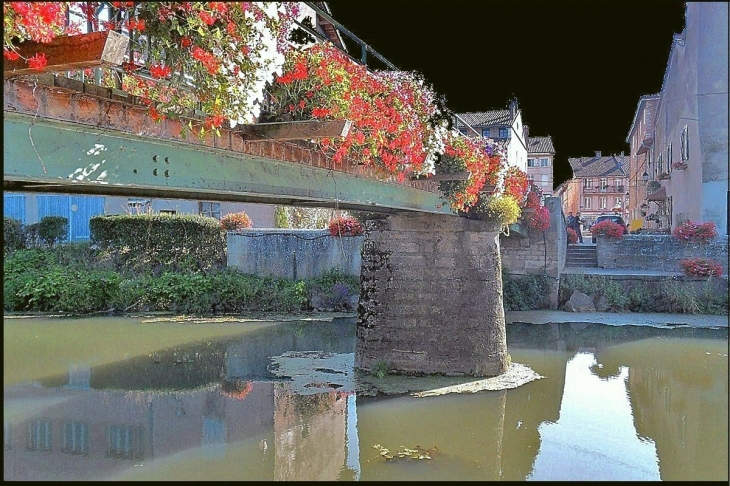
513, 108
527, 131
598, 153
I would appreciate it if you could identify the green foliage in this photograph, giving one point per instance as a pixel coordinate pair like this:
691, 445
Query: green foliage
53, 229
146, 242
380, 368
524, 292
13, 238
670, 296
280, 217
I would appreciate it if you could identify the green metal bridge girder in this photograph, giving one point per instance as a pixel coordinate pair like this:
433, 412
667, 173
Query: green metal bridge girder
42, 155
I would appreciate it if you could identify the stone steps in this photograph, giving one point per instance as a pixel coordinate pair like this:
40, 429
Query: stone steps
581, 256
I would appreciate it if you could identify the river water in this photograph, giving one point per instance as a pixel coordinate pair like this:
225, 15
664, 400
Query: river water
154, 398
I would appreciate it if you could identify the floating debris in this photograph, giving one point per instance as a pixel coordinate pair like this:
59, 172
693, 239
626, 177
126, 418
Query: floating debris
403, 452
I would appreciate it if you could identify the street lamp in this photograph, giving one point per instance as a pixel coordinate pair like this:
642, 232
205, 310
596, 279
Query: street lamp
645, 177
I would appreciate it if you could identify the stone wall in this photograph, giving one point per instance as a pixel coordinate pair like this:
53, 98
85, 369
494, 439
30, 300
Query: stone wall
431, 297
657, 252
528, 255
293, 253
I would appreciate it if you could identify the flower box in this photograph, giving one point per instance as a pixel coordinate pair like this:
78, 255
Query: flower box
679, 166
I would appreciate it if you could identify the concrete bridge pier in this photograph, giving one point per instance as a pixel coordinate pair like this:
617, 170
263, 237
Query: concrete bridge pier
431, 297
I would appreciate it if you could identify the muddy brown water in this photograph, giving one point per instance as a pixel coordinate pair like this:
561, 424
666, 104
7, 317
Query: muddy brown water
141, 398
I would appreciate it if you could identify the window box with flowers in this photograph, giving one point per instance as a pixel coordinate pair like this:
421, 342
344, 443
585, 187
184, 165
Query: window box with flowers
698, 233
700, 267
679, 166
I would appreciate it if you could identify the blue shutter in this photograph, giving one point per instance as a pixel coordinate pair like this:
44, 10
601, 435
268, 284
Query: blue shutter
14, 206
86, 207
53, 205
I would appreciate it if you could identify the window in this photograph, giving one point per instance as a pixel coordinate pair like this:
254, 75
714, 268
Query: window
588, 183
660, 164
602, 202
587, 203
531, 162
684, 144
618, 202
603, 183
137, 205
530, 177
39, 435
125, 442
75, 438
669, 157
212, 209
544, 162
503, 132
485, 132
168, 211
462, 130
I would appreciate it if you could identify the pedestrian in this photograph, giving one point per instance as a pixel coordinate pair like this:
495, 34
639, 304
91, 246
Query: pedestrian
577, 222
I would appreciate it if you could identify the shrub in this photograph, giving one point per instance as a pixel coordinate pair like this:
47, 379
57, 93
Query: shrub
236, 221
608, 228
524, 292
345, 226
572, 236
53, 229
13, 238
695, 232
701, 267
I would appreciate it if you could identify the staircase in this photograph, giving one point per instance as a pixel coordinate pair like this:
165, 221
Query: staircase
581, 256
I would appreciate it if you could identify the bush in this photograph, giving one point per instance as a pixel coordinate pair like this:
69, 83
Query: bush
13, 237
701, 267
695, 232
345, 226
608, 228
53, 229
524, 292
159, 243
236, 221
572, 236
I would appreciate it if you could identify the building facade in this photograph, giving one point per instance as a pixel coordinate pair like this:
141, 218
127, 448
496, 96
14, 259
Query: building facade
598, 186
500, 125
688, 161
540, 155
641, 143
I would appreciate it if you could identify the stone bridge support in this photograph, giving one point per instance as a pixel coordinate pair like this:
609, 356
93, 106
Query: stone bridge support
431, 297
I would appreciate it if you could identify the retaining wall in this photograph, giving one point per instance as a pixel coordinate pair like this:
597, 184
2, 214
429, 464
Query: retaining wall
293, 253
657, 252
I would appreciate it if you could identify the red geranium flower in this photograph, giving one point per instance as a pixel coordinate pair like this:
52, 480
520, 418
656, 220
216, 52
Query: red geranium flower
38, 61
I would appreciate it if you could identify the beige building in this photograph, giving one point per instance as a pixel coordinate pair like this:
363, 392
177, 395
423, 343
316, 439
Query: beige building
540, 155
641, 142
598, 186
687, 158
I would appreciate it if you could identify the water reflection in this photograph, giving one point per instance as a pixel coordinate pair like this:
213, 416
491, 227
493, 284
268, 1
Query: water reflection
617, 403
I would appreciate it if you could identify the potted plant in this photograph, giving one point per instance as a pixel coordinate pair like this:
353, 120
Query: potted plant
692, 232
608, 228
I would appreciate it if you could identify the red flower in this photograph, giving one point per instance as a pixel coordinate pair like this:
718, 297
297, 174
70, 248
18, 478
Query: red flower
135, 24
10, 54
206, 17
186, 42
159, 71
38, 61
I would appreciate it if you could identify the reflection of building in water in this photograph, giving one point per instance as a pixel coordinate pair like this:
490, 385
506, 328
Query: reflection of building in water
679, 399
309, 435
66, 434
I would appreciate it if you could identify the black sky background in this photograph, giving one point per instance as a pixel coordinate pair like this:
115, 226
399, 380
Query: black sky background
576, 68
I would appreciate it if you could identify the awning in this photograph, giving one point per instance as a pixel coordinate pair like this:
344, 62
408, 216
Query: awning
658, 195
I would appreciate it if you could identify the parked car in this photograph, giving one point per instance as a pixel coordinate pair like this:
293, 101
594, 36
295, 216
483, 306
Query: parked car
611, 217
